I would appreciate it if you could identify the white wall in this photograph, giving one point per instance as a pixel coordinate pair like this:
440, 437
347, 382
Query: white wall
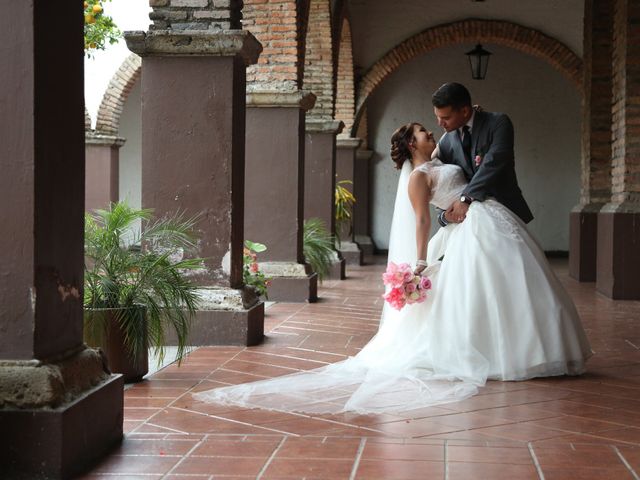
131, 151
544, 108
379, 25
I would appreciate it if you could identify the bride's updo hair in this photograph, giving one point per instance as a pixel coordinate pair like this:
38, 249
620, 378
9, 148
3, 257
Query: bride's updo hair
400, 141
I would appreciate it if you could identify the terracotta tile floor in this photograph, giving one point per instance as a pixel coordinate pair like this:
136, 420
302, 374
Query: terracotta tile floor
555, 428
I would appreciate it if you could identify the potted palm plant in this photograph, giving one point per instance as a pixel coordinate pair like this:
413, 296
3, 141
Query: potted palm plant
137, 285
318, 246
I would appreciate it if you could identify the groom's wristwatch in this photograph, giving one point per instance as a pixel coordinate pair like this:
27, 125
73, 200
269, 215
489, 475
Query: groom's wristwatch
466, 199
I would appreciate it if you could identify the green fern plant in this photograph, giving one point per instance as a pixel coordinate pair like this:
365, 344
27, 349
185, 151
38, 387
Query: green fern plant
318, 246
126, 270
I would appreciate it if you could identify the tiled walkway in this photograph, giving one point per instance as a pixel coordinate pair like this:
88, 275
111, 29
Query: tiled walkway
557, 428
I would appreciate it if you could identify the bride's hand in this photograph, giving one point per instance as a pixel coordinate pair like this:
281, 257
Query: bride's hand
419, 269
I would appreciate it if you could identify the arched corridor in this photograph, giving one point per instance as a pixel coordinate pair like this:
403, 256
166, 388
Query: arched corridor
246, 116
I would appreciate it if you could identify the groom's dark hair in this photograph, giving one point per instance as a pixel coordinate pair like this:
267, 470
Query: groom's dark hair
453, 95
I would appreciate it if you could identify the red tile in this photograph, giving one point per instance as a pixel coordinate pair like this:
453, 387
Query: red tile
220, 466
399, 470
305, 468
517, 455
491, 471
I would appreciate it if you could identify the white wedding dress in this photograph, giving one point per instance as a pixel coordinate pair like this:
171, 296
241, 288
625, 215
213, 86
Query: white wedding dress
496, 311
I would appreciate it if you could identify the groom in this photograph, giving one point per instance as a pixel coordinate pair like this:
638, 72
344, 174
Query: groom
482, 144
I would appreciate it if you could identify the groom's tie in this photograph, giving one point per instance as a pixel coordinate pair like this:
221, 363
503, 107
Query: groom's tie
466, 143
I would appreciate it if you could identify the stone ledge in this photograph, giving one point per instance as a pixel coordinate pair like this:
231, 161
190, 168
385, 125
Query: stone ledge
348, 142
107, 140
195, 43
226, 299
364, 154
284, 269
314, 125
274, 98
40, 384
625, 207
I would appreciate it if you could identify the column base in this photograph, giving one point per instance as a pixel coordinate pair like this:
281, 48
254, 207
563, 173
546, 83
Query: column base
618, 259
226, 317
337, 268
291, 282
64, 441
583, 241
365, 243
350, 252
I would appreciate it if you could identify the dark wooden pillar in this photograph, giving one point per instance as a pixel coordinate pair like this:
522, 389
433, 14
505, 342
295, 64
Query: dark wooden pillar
618, 274
346, 170
274, 190
596, 139
102, 168
193, 129
60, 410
320, 180
361, 212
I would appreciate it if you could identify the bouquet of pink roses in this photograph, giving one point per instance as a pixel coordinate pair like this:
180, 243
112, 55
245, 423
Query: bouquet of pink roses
406, 287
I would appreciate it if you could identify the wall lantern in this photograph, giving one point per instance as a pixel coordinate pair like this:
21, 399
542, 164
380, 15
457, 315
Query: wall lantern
479, 60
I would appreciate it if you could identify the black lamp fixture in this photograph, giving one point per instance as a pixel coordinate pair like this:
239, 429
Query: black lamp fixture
479, 61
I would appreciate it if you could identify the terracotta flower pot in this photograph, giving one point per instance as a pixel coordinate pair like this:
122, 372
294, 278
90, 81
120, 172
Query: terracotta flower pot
112, 342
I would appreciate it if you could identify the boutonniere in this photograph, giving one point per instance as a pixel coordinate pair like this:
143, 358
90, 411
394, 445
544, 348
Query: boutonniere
478, 159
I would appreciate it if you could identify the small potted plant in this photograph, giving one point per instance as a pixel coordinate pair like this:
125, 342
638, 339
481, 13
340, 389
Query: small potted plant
137, 285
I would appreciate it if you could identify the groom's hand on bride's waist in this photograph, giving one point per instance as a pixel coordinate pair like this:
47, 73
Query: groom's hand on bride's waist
457, 212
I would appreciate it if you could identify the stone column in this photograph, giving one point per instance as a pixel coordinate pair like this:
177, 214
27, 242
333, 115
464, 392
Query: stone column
346, 170
596, 139
60, 409
361, 224
193, 130
101, 170
618, 264
320, 180
274, 190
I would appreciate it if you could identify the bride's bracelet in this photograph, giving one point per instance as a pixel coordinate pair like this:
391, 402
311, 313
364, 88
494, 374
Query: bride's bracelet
421, 263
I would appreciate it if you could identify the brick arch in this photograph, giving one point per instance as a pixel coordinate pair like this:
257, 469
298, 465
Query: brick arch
318, 63
345, 83
518, 37
281, 28
108, 119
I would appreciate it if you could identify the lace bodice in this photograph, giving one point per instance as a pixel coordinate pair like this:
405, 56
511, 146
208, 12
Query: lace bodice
448, 182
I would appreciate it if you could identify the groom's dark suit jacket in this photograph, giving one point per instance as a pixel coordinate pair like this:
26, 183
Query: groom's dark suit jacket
492, 139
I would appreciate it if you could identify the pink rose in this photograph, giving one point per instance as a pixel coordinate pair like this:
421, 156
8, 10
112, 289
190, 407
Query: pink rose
410, 288
425, 283
254, 267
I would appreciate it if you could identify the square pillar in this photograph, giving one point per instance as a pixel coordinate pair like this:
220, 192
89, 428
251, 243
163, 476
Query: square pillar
320, 180
60, 409
618, 264
596, 139
274, 190
101, 170
193, 128
346, 170
361, 220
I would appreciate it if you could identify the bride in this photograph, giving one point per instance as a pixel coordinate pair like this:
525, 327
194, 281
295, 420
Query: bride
514, 320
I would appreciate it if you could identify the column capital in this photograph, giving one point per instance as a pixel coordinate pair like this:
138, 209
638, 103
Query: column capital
285, 99
624, 207
91, 138
195, 43
363, 154
319, 125
348, 142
